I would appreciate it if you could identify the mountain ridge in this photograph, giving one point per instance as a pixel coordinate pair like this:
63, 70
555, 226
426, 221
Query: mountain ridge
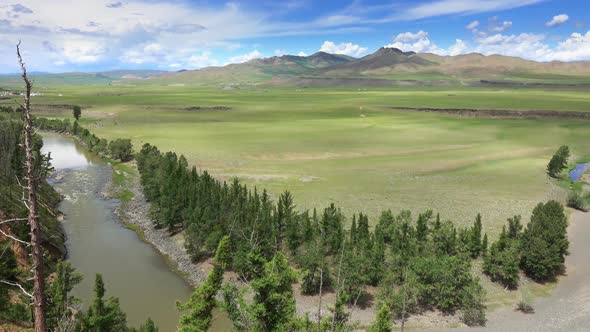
385, 63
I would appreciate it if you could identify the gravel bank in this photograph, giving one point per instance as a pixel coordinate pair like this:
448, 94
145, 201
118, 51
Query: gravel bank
136, 212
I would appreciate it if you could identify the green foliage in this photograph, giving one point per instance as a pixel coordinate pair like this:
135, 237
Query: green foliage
314, 268
502, 263
8, 272
576, 201
104, 316
331, 227
274, 304
59, 300
199, 307
77, 112
475, 241
559, 161
383, 320
474, 309
444, 283
121, 149
544, 241
148, 326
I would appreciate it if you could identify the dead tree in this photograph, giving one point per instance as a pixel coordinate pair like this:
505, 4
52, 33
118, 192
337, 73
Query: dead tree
31, 203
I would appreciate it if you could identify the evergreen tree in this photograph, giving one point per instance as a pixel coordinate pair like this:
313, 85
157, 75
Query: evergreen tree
121, 149
383, 320
475, 245
77, 112
501, 264
544, 241
58, 295
332, 228
274, 304
8, 272
284, 217
199, 307
104, 316
148, 326
559, 161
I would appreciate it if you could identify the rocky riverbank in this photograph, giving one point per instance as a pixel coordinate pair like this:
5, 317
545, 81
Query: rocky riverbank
135, 214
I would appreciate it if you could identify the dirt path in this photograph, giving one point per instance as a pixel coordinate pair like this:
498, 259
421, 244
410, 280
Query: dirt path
568, 306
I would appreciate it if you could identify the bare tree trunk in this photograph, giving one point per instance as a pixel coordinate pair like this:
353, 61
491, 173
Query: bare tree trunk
337, 288
321, 282
31, 203
404, 299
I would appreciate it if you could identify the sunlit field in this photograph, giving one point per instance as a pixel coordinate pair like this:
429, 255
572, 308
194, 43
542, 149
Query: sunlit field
348, 146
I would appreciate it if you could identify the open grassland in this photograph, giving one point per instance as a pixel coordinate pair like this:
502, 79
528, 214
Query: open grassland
345, 146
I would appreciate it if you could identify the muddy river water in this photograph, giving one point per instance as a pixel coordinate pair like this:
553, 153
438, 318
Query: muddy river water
97, 242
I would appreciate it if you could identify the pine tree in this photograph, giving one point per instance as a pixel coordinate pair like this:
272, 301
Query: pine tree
484, 245
199, 307
104, 316
59, 298
77, 112
544, 241
383, 320
148, 326
274, 304
475, 243
559, 161
501, 264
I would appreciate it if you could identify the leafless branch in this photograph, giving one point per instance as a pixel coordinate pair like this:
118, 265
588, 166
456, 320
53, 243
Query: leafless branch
17, 285
14, 238
12, 220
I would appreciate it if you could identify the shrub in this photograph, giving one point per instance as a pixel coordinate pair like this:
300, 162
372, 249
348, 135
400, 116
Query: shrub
544, 241
121, 149
576, 201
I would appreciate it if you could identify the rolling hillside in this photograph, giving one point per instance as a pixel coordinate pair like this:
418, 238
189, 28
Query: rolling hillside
385, 67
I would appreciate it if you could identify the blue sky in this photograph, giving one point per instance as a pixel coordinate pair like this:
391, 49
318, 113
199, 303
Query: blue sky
95, 35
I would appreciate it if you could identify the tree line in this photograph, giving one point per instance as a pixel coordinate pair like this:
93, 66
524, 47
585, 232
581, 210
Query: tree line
63, 312
119, 148
418, 263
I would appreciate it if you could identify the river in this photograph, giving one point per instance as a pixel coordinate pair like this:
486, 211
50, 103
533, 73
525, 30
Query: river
97, 242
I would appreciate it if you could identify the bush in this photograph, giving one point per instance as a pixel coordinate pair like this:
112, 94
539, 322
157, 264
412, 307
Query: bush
121, 149
559, 161
576, 201
544, 242
525, 307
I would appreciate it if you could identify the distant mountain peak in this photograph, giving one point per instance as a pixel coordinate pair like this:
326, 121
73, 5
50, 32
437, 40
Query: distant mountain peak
393, 50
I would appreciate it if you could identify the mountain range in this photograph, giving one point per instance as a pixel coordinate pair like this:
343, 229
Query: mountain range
384, 67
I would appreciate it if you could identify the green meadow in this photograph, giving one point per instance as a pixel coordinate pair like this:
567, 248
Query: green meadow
348, 146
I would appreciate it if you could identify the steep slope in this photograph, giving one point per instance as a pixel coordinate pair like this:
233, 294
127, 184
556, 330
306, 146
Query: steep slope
384, 61
257, 70
478, 65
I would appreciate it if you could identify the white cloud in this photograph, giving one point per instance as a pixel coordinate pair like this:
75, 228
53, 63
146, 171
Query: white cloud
418, 42
201, 60
450, 7
82, 51
574, 48
113, 34
472, 25
349, 49
245, 57
301, 53
530, 46
460, 47
557, 20
279, 52
501, 27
